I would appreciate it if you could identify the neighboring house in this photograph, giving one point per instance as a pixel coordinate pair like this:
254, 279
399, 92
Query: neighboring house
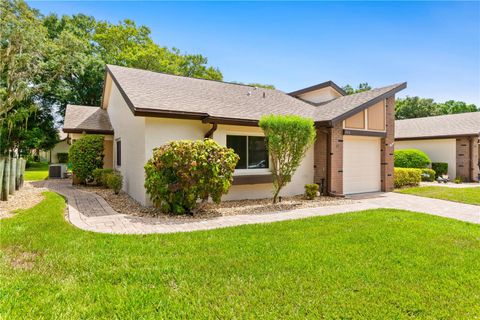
142, 110
61, 147
451, 138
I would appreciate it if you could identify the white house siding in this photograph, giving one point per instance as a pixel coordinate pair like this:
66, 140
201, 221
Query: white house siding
302, 176
61, 147
439, 150
131, 131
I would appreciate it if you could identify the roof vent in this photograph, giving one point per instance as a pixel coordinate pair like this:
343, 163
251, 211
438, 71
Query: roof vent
264, 95
249, 93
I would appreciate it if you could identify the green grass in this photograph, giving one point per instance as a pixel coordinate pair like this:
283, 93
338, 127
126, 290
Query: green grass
377, 264
464, 195
37, 171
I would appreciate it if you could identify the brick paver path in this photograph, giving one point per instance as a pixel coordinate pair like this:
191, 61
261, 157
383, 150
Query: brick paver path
89, 211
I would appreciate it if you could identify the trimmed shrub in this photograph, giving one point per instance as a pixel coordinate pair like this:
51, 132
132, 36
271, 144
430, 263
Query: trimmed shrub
181, 173
404, 177
62, 157
458, 180
288, 139
428, 175
86, 155
114, 181
441, 168
99, 176
411, 158
311, 191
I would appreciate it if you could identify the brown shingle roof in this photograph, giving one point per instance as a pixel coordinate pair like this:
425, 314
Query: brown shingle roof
148, 92
89, 119
461, 124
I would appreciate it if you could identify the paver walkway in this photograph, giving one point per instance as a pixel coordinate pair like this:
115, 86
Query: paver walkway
89, 211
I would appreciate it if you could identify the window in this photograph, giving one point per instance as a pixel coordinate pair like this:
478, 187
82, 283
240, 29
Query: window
251, 150
119, 153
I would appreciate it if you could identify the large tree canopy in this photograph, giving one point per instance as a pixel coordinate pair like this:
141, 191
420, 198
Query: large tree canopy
84, 45
416, 107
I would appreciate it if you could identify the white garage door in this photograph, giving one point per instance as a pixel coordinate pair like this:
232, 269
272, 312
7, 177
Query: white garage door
361, 164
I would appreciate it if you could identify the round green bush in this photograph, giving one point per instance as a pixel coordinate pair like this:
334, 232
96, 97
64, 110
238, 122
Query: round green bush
411, 158
86, 155
181, 173
114, 181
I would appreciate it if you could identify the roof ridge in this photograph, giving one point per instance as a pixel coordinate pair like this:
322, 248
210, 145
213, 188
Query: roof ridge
180, 76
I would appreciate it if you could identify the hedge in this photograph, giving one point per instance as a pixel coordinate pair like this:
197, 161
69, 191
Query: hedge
86, 155
411, 158
99, 175
62, 157
428, 175
440, 168
404, 177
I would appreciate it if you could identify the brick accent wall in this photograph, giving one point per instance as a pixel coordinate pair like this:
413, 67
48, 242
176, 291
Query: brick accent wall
467, 158
475, 158
335, 172
320, 158
387, 147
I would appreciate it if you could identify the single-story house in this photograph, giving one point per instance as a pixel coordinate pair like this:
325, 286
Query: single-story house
453, 139
141, 110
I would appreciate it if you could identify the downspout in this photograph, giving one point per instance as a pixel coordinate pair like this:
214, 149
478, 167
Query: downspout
210, 132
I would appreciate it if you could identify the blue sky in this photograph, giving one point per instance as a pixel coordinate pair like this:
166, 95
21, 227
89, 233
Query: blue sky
434, 46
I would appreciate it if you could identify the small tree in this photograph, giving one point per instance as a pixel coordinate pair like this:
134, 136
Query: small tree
86, 155
181, 173
288, 139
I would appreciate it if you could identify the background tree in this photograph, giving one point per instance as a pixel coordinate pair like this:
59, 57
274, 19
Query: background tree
288, 138
360, 88
416, 107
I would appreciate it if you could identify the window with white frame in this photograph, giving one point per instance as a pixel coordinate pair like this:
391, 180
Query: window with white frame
252, 151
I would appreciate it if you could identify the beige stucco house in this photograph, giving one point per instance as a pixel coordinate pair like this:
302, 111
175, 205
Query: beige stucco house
142, 110
453, 139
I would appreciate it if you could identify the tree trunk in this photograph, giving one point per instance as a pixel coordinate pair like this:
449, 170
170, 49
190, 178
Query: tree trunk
13, 171
2, 167
6, 180
18, 171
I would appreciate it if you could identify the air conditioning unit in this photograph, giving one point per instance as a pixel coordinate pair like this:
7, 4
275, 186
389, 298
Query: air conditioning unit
57, 171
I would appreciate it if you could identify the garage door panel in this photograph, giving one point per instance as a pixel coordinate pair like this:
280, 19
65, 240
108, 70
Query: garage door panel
361, 164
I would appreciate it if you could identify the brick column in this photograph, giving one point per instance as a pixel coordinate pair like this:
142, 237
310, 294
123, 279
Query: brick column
474, 159
320, 156
387, 146
463, 160
335, 169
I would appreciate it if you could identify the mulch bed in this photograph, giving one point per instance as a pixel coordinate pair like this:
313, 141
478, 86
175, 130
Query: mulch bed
28, 196
124, 204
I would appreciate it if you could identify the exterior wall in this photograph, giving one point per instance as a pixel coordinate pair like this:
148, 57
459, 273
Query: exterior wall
356, 121
302, 176
108, 154
387, 146
320, 95
61, 147
439, 150
376, 116
335, 170
467, 158
130, 131
371, 119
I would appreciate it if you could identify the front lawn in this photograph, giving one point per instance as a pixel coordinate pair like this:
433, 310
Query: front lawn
36, 171
464, 195
373, 264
